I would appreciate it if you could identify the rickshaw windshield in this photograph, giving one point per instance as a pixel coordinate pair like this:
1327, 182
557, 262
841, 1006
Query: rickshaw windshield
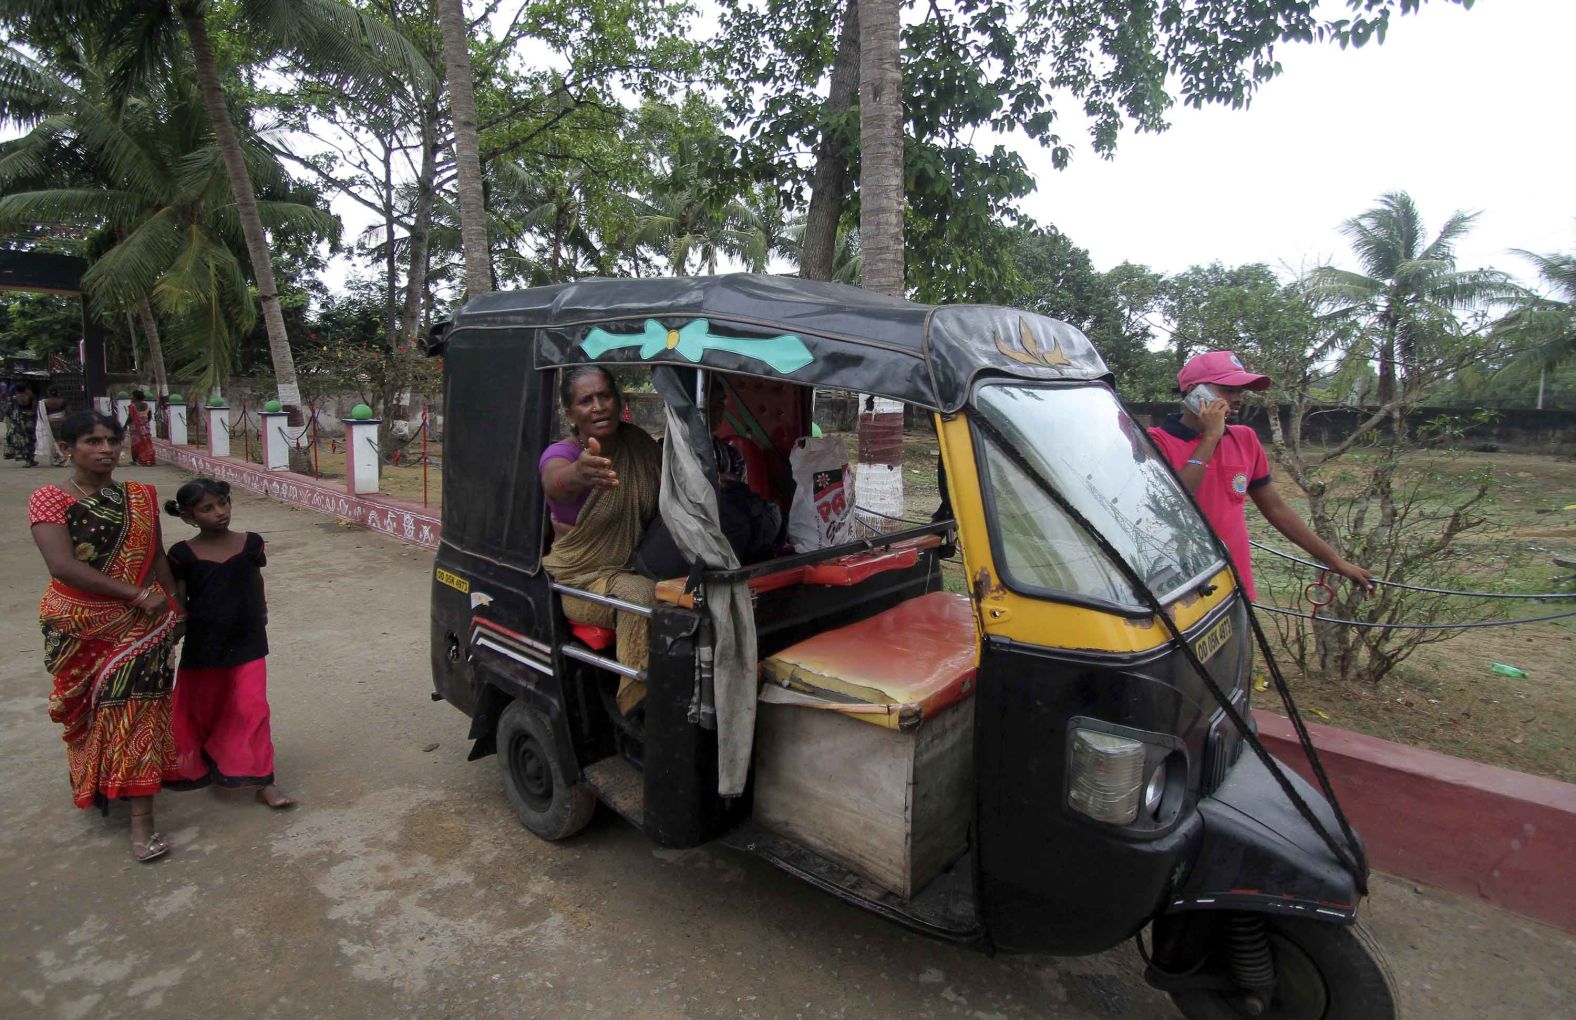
1092, 452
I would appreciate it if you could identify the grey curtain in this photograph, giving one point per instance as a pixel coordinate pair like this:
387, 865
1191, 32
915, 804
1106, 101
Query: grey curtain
689, 506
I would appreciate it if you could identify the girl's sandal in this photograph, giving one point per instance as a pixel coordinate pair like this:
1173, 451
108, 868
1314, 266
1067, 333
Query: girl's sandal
154, 848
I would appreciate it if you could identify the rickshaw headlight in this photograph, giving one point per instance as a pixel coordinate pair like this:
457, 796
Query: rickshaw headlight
1107, 776
1155, 790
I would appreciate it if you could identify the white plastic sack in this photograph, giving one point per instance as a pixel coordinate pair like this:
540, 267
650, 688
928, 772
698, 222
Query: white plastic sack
822, 512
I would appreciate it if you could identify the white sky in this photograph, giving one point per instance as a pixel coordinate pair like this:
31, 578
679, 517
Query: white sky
1462, 109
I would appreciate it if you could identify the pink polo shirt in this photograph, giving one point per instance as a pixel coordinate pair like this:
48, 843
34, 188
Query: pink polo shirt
1237, 467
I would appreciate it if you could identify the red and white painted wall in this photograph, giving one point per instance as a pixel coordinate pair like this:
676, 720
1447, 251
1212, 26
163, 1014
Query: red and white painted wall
419, 525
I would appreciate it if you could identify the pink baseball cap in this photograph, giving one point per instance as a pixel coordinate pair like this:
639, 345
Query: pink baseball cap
1221, 367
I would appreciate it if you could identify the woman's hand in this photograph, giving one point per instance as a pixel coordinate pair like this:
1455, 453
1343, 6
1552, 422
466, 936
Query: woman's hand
592, 470
150, 602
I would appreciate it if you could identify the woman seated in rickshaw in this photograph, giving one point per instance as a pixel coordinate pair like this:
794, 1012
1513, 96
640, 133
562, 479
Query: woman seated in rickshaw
601, 486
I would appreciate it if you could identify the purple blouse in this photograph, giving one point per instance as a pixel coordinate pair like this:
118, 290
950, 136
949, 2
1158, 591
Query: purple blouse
563, 513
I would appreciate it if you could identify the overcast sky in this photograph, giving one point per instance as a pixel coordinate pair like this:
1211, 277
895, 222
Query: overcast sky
1463, 109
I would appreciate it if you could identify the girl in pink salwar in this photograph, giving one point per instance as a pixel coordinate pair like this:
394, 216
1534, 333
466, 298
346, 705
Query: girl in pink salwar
220, 716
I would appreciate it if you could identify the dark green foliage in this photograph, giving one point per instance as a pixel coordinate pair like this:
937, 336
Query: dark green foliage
39, 324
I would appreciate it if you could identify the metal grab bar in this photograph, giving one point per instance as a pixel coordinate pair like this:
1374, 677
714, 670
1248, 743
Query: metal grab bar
611, 665
602, 600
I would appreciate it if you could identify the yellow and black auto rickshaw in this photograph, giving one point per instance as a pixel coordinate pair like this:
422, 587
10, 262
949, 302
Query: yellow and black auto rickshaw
1045, 751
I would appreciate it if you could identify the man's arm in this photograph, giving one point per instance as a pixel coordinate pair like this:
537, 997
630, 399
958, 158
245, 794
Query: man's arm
1289, 523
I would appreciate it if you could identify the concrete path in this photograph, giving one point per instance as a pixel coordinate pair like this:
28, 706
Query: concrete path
402, 886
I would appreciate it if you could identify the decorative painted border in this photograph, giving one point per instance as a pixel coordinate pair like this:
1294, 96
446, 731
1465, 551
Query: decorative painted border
1484, 832
417, 525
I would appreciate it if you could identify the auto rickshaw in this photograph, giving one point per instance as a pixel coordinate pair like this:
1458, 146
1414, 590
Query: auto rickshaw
1049, 757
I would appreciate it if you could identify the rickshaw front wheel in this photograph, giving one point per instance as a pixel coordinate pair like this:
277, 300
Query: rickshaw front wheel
548, 803
1322, 972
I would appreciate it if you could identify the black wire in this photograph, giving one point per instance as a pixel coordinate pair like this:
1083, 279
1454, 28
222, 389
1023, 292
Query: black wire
888, 517
1354, 859
1414, 626
1412, 587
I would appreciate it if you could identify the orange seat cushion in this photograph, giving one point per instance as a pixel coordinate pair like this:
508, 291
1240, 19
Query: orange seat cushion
914, 660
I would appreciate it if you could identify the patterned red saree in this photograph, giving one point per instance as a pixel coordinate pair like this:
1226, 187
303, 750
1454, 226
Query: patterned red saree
111, 664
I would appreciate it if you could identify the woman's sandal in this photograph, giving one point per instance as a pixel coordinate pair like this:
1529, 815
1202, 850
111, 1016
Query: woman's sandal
154, 848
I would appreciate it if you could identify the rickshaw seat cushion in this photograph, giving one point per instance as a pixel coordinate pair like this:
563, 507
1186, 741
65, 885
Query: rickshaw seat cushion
594, 637
894, 669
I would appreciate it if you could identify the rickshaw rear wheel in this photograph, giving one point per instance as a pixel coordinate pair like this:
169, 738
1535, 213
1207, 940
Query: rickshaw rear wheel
1323, 972
547, 802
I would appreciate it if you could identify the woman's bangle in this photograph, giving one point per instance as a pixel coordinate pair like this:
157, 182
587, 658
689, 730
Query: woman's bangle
1200, 463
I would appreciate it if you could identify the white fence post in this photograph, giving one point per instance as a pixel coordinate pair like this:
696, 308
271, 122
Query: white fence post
218, 431
361, 451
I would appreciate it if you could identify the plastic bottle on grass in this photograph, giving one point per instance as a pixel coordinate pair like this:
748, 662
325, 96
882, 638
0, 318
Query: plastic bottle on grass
1504, 670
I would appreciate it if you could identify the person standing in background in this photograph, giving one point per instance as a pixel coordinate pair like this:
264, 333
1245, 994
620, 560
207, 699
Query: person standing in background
1223, 465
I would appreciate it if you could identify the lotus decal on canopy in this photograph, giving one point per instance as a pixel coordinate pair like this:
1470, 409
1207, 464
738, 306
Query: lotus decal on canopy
1029, 351
786, 353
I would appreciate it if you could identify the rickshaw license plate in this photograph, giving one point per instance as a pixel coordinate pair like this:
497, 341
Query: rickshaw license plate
1213, 640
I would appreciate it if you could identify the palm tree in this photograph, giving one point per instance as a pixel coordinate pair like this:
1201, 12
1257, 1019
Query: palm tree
692, 214
1548, 322
1408, 286
144, 37
881, 145
462, 106
764, 228
158, 209
880, 478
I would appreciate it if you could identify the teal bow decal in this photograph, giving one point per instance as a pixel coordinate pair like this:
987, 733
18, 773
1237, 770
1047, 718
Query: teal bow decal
784, 354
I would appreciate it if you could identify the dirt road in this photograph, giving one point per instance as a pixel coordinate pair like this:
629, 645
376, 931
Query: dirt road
402, 886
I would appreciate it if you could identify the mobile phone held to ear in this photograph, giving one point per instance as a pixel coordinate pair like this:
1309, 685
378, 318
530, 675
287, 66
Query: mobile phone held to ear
1198, 396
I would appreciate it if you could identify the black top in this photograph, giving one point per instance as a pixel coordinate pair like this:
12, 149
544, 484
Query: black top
857, 339
225, 625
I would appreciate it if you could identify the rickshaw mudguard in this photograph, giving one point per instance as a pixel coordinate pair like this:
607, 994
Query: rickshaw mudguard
1258, 853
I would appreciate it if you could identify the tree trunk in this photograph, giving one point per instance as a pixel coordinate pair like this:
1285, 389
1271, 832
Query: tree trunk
881, 146
829, 186
462, 105
245, 202
150, 329
421, 228
391, 305
880, 477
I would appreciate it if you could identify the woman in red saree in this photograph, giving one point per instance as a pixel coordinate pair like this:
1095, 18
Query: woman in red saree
109, 627
139, 429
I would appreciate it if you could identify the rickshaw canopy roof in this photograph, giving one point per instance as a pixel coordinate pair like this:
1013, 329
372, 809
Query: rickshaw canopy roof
803, 331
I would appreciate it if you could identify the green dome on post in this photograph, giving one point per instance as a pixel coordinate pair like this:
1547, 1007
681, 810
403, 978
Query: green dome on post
273, 405
175, 398
361, 412
217, 402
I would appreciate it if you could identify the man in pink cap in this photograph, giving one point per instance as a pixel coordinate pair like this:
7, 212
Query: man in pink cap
1222, 465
